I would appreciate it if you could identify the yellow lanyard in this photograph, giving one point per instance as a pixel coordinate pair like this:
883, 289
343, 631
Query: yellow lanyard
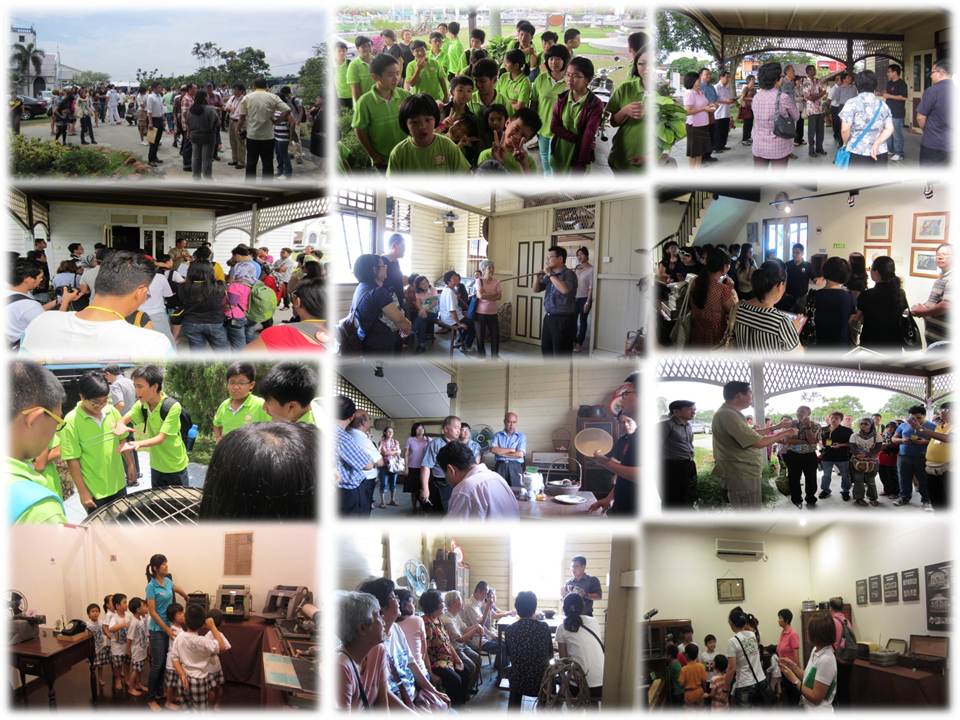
106, 310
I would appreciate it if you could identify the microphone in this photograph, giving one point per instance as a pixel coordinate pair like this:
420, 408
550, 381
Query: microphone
650, 613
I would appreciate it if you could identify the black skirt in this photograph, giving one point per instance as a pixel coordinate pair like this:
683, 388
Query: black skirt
698, 140
411, 484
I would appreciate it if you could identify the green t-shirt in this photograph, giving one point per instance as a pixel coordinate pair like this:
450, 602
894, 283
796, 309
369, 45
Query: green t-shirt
359, 72
429, 80
170, 456
509, 161
544, 98
49, 472
456, 57
95, 446
442, 155
307, 418
561, 157
341, 83
440, 58
629, 141
49, 510
251, 411
477, 107
380, 119
512, 90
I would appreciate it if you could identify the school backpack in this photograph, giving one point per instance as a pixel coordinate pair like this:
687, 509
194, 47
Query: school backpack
847, 652
186, 422
238, 303
24, 494
262, 303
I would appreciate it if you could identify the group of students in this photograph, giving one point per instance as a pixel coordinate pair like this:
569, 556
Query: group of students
263, 466
461, 111
728, 302
121, 303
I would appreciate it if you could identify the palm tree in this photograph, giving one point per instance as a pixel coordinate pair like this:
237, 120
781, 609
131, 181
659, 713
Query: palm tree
25, 56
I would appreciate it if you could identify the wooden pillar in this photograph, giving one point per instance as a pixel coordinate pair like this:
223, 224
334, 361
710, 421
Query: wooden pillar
759, 394
254, 223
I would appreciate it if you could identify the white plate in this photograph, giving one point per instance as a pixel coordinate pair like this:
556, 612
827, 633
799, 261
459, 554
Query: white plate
569, 499
591, 440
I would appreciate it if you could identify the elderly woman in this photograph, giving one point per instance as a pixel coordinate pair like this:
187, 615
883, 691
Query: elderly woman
817, 683
770, 150
446, 666
530, 649
411, 625
379, 319
488, 323
360, 629
759, 326
579, 638
867, 123
390, 667
460, 634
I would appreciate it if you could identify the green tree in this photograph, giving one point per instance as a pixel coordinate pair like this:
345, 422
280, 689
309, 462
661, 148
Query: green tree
683, 65
205, 52
705, 416
23, 57
897, 407
785, 58
312, 74
145, 77
87, 78
678, 33
847, 404
243, 65
201, 387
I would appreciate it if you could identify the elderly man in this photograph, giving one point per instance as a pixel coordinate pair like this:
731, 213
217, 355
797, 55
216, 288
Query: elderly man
478, 492
679, 483
481, 609
586, 586
510, 447
472, 444
558, 283
934, 310
739, 449
360, 432
462, 633
801, 459
352, 462
934, 116
435, 491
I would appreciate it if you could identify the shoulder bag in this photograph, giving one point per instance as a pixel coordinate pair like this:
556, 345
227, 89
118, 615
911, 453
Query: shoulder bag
784, 126
842, 158
762, 694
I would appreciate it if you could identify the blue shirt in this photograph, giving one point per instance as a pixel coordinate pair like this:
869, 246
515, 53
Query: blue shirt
351, 459
430, 456
556, 302
516, 441
162, 595
709, 91
474, 447
935, 104
909, 449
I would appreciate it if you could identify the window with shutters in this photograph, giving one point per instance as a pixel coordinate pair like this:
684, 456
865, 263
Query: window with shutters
476, 243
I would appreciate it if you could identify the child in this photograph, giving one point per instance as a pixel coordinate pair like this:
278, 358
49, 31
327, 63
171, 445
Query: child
375, 114
426, 304
242, 407
137, 643
214, 669
571, 38
544, 93
509, 147
101, 644
485, 74
477, 38
461, 91
342, 85
709, 655
575, 120
424, 150
495, 120
673, 675
456, 58
719, 695
358, 72
171, 681
425, 74
626, 114
437, 51
514, 86
191, 655
288, 391
773, 671
463, 132
119, 658
548, 39
692, 677
444, 44
524, 43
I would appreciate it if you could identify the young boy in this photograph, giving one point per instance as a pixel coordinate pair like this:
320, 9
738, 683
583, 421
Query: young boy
425, 75
514, 85
456, 58
342, 85
171, 681
674, 669
773, 672
509, 147
101, 644
547, 40
376, 113
438, 54
191, 654
477, 38
288, 391
571, 38
138, 642
524, 43
463, 133
485, 74
461, 91
708, 655
358, 72
692, 677
214, 668
242, 407
119, 658
719, 695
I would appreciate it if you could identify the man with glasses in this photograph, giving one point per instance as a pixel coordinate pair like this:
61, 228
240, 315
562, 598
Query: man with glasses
89, 445
558, 283
624, 459
35, 416
933, 116
242, 407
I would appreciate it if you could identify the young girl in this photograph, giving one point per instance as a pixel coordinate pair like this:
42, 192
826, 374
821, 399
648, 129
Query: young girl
375, 114
390, 451
626, 114
341, 85
101, 643
214, 668
863, 463
191, 655
575, 120
424, 74
424, 150
548, 86
119, 658
719, 694
171, 681
138, 642
514, 85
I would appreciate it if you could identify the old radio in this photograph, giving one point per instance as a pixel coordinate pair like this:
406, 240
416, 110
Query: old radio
926, 652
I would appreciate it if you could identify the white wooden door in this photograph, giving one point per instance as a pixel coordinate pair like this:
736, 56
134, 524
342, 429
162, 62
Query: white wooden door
918, 79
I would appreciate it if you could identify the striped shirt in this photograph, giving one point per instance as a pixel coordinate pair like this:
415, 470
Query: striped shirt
351, 459
764, 330
936, 325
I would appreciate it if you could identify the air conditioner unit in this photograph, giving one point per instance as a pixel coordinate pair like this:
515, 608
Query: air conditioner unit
740, 549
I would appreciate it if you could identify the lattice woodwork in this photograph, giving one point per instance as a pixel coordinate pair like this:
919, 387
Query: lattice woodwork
41, 214
17, 202
780, 378
712, 372
273, 217
234, 221
578, 217
194, 238
348, 389
941, 386
363, 200
737, 46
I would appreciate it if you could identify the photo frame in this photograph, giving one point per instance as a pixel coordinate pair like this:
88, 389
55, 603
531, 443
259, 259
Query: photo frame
931, 228
923, 262
871, 252
730, 590
878, 228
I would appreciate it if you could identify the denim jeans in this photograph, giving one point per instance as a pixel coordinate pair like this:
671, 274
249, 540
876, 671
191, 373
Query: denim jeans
198, 335
897, 137
160, 479
423, 327
201, 161
284, 167
544, 143
159, 644
169, 118
909, 466
240, 337
388, 481
843, 466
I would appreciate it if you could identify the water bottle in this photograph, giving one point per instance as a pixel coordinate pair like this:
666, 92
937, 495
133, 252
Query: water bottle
192, 436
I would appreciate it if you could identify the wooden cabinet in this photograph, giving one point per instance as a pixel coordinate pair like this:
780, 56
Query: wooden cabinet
805, 617
448, 574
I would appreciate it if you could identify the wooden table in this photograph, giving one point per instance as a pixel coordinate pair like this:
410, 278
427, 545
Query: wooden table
873, 685
50, 657
549, 508
502, 625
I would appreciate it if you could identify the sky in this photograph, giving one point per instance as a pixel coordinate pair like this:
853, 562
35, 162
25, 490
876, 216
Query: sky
710, 397
119, 42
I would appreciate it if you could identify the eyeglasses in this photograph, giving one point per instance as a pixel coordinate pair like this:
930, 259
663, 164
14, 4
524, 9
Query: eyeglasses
238, 383
61, 423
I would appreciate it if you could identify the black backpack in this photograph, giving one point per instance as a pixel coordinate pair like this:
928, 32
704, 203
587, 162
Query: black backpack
186, 422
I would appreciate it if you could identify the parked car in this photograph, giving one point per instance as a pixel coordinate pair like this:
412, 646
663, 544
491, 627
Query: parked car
46, 96
700, 427
32, 107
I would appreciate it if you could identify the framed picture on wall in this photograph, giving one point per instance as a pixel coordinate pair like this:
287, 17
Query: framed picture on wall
753, 229
931, 227
878, 228
923, 262
730, 590
872, 252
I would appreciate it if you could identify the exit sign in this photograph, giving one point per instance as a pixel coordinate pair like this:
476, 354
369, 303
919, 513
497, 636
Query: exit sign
838, 246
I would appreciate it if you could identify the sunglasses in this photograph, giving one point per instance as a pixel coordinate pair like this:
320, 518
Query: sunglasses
61, 423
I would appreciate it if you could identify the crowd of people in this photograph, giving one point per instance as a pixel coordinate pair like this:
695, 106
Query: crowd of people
749, 674
440, 107
263, 465
906, 455
260, 126
729, 302
125, 303
392, 657
447, 475
866, 115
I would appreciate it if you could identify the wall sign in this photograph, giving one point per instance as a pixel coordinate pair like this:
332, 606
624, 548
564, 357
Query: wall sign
891, 588
937, 581
876, 589
861, 592
910, 582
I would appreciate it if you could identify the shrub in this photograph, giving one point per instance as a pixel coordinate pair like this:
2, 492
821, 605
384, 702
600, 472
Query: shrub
352, 155
33, 156
81, 161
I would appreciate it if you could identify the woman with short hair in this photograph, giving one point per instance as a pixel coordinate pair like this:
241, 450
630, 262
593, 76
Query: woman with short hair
530, 649
359, 629
379, 318
759, 326
769, 149
489, 293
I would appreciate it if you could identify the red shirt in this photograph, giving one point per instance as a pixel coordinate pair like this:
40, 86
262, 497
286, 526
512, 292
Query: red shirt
788, 646
285, 337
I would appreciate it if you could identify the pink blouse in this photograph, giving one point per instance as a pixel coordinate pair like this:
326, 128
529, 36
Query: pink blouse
488, 307
696, 100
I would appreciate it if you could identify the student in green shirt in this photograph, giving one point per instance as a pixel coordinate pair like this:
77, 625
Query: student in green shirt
424, 150
626, 114
36, 403
461, 92
168, 454
46, 465
571, 38
546, 89
358, 72
424, 75
376, 114
344, 97
576, 119
456, 58
438, 48
485, 74
514, 86
547, 40
288, 391
524, 43
89, 445
508, 147
444, 32
477, 38
242, 407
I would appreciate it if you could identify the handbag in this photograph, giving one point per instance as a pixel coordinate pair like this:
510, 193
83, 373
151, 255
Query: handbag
864, 465
784, 126
348, 331
152, 135
762, 694
727, 341
842, 158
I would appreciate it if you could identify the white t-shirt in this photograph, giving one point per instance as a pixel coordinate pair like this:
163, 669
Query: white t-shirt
744, 676
585, 649
482, 495
55, 333
194, 652
137, 634
213, 666
159, 289
723, 93
118, 637
89, 278
449, 304
366, 444
706, 657
20, 313
821, 667
176, 633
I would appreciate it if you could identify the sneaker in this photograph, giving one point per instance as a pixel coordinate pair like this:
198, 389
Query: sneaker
799, 506
900, 502
824, 494
896, 158
861, 502
927, 507
745, 142
845, 496
874, 503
